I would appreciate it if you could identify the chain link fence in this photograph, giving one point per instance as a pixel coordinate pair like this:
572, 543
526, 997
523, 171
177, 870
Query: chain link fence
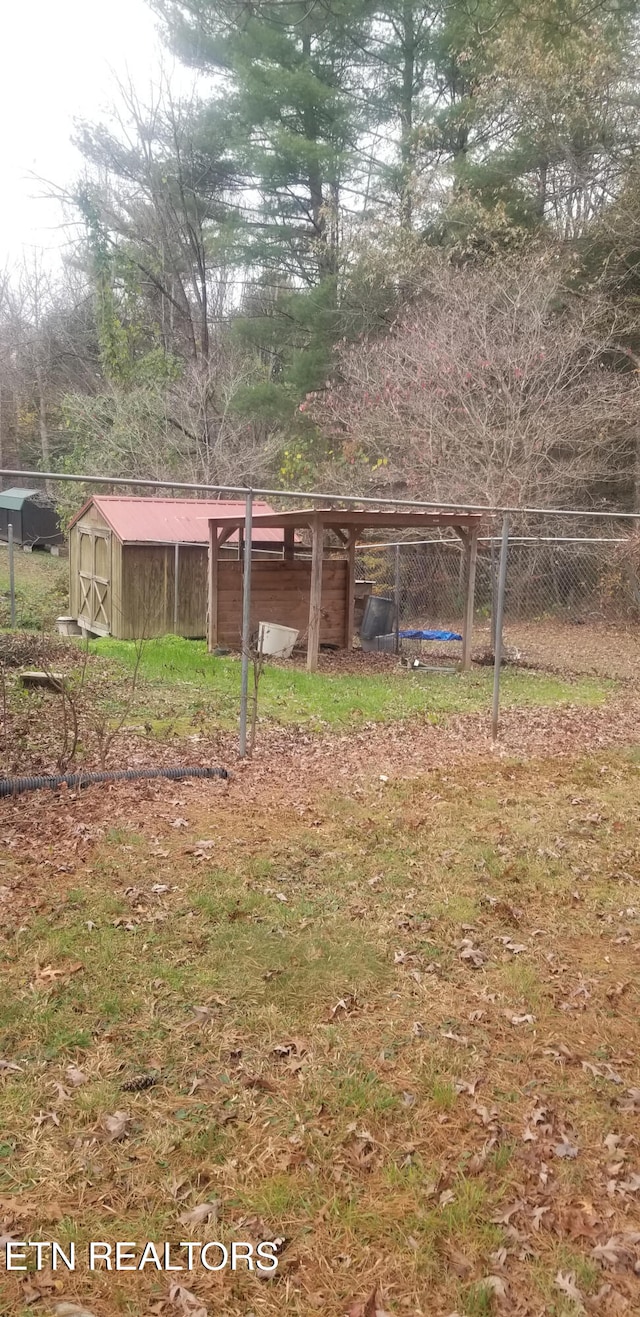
572, 601
572, 597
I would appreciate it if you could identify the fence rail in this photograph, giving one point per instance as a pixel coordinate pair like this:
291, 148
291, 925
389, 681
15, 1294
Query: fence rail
306, 496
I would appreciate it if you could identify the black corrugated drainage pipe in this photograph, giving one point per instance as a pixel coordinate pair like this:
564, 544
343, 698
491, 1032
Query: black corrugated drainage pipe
12, 786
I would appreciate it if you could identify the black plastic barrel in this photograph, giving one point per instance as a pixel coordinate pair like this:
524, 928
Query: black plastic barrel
378, 618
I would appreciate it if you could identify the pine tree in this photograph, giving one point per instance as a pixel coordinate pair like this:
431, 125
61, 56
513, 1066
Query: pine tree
291, 117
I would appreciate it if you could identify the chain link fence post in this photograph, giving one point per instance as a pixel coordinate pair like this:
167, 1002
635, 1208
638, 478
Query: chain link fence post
497, 650
246, 622
12, 576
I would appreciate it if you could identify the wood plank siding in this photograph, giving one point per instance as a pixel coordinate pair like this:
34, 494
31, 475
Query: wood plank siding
148, 595
138, 567
280, 593
94, 572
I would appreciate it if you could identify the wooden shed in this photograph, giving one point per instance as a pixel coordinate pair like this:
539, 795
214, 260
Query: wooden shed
138, 566
35, 522
314, 594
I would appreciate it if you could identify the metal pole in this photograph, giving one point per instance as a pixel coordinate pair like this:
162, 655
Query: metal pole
12, 576
494, 595
461, 574
246, 622
397, 598
329, 499
502, 581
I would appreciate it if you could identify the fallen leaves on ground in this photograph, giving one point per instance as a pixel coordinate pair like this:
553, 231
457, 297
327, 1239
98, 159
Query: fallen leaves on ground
116, 1126
373, 1306
412, 1112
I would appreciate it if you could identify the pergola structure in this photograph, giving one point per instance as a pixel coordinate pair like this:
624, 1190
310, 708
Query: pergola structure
348, 528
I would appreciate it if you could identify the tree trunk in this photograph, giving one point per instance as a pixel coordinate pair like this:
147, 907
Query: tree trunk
45, 447
8, 428
406, 117
326, 261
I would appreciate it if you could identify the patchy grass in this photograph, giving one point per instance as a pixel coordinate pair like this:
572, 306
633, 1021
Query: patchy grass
184, 703
180, 681
42, 589
396, 1029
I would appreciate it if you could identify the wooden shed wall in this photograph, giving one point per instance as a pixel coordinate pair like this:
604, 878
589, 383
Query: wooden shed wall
280, 593
193, 575
148, 591
140, 598
92, 520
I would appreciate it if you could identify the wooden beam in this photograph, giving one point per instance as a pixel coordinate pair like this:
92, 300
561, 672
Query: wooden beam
471, 555
289, 543
212, 610
176, 580
225, 534
350, 598
315, 594
364, 520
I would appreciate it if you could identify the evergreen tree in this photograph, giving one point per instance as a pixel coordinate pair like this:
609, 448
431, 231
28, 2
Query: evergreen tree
291, 114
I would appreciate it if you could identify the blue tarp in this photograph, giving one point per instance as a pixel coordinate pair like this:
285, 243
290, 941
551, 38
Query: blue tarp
429, 635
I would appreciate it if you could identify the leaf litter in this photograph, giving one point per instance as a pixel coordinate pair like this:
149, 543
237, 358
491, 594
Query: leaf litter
402, 1103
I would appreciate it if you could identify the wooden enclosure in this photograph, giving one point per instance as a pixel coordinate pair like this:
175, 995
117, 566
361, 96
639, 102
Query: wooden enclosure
125, 584
280, 593
314, 595
131, 591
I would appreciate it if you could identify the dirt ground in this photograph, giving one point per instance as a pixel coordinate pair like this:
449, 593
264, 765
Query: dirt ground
590, 648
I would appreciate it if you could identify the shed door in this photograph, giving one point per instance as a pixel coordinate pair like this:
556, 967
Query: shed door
95, 579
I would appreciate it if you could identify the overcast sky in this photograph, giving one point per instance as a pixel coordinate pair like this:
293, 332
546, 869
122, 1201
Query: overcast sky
59, 58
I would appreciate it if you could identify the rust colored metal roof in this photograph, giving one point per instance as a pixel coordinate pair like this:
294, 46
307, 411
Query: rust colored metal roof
172, 520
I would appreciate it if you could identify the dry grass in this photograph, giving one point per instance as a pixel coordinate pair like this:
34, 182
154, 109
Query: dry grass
354, 1082
41, 581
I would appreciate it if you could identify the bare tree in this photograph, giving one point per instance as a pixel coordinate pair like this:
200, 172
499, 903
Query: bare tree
497, 385
160, 202
156, 428
47, 346
8, 374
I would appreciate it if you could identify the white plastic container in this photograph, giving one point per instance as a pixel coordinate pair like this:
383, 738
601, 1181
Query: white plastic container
276, 641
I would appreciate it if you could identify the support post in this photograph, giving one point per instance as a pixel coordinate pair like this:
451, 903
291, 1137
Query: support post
12, 576
397, 600
176, 572
350, 597
497, 650
246, 622
494, 596
315, 594
212, 619
289, 543
471, 555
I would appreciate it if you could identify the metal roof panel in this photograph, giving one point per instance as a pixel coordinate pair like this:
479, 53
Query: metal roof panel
171, 520
14, 498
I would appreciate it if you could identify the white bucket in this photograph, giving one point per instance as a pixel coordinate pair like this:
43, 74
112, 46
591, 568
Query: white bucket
276, 641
